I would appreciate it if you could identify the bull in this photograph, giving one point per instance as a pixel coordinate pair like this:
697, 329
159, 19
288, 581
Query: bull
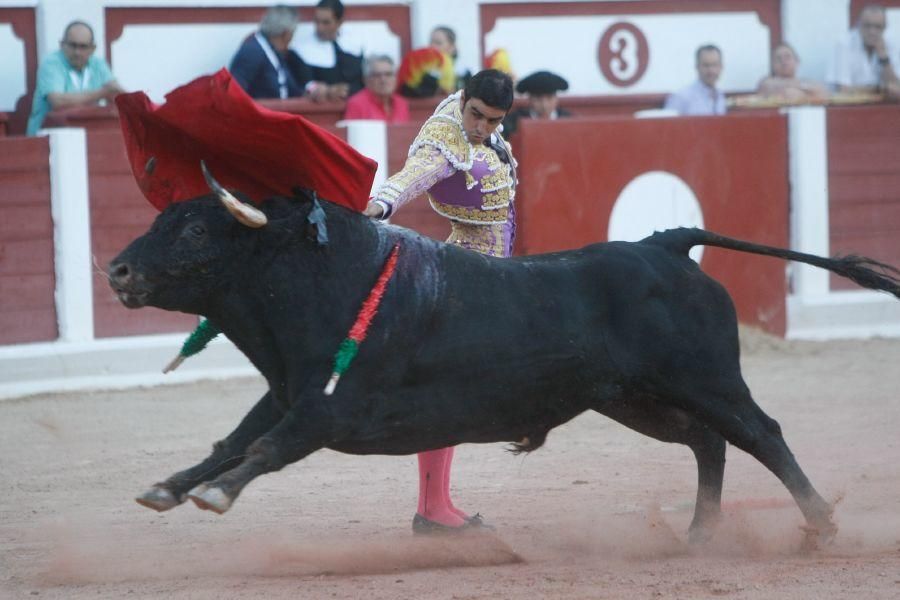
466, 348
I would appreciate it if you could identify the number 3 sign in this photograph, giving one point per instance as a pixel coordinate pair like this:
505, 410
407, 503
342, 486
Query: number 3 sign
623, 54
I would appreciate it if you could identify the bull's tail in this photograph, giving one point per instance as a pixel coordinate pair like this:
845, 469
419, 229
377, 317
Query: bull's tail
864, 271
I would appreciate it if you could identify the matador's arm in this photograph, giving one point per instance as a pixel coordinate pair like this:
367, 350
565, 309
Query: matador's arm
424, 168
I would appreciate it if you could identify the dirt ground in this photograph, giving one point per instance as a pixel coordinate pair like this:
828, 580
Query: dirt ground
599, 512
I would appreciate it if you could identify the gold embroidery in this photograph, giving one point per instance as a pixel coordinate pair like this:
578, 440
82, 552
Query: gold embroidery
446, 136
480, 238
470, 215
421, 171
494, 200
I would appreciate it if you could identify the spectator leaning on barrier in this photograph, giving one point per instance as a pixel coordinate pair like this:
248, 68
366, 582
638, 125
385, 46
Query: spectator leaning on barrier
336, 62
784, 83
264, 65
541, 88
378, 101
71, 76
701, 97
864, 61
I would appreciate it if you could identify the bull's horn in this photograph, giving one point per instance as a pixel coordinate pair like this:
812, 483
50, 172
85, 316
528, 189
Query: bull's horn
244, 213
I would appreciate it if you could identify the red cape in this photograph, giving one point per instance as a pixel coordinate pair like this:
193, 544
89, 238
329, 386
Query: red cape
248, 148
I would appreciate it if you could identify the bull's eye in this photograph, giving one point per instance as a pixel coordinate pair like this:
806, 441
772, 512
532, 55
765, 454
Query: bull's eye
197, 230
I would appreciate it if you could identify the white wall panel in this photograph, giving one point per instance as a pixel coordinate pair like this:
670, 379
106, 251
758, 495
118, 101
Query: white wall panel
12, 68
570, 46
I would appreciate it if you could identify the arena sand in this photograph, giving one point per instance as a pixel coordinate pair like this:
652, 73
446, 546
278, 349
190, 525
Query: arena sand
599, 512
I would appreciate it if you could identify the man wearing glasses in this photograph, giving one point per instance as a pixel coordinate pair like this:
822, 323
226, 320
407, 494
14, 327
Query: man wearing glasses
865, 61
71, 77
377, 101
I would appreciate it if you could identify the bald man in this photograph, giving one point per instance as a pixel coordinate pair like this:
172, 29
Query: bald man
71, 77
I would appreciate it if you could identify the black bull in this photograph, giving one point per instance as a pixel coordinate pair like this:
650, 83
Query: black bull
465, 347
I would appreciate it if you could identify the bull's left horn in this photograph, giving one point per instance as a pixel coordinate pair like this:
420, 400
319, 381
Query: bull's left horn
244, 213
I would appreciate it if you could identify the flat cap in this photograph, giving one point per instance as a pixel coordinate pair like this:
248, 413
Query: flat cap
542, 83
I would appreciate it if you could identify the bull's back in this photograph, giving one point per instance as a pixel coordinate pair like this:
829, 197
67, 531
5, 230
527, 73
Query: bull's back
628, 308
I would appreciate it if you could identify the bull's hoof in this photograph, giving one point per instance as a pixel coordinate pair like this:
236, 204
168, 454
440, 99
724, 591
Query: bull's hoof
210, 498
699, 536
816, 537
158, 498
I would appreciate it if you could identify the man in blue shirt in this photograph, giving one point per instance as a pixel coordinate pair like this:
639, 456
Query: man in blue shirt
702, 97
264, 66
71, 77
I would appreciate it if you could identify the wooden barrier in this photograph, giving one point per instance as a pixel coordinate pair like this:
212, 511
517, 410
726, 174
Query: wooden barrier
27, 276
864, 183
327, 114
572, 171
119, 213
571, 174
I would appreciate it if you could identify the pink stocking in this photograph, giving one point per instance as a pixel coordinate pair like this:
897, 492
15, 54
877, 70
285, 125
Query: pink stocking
434, 498
448, 463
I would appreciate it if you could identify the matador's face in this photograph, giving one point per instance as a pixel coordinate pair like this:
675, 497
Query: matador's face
480, 120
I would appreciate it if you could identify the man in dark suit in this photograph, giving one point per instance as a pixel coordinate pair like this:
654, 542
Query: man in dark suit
264, 65
541, 88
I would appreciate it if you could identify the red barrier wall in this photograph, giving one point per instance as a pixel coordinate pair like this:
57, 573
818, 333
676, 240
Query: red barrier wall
572, 171
119, 213
27, 276
864, 183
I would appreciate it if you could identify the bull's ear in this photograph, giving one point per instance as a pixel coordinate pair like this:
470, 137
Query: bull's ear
317, 227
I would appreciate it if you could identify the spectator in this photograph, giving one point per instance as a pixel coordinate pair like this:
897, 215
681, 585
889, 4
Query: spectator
444, 39
71, 77
336, 65
377, 101
701, 97
783, 82
864, 61
541, 88
264, 65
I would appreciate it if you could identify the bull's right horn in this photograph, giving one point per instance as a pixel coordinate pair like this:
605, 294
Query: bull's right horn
244, 213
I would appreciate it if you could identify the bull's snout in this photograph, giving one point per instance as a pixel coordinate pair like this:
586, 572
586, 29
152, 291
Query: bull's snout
119, 274
123, 282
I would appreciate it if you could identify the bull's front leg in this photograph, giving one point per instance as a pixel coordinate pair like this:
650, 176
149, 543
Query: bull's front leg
226, 454
303, 430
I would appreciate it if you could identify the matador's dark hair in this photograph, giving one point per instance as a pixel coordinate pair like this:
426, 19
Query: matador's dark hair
493, 87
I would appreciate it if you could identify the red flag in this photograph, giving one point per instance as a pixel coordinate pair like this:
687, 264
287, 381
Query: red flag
248, 148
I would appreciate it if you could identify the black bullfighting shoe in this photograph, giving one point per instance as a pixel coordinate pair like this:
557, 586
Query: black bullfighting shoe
421, 525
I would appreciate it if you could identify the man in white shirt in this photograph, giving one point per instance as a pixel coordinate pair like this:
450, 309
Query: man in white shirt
864, 61
701, 97
336, 62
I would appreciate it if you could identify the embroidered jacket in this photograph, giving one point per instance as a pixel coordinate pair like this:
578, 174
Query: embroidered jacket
465, 183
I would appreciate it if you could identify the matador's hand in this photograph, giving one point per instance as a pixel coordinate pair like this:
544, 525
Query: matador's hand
374, 210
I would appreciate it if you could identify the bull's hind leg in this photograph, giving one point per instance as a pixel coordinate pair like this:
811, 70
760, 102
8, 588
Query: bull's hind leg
293, 438
744, 424
226, 454
677, 426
